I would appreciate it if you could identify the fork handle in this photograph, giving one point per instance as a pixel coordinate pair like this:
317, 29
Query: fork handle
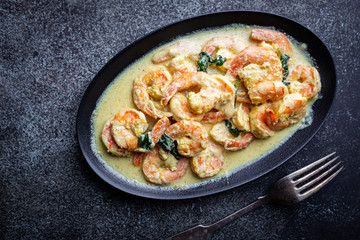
261, 201
204, 232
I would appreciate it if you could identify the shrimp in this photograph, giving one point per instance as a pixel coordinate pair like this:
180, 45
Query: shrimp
127, 126
269, 90
149, 88
304, 80
138, 158
180, 109
258, 124
157, 171
256, 64
221, 134
286, 112
224, 108
181, 48
225, 46
214, 117
209, 162
110, 143
277, 38
191, 137
242, 95
159, 129
179, 66
212, 90
241, 118
155, 134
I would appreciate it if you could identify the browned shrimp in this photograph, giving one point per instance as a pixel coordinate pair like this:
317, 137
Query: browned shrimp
304, 80
286, 112
191, 137
109, 141
127, 127
213, 91
258, 124
225, 46
241, 118
269, 90
277, 38
221, 134
180, 109
209, 162
148, 89
255, 65
155, 134
156, 171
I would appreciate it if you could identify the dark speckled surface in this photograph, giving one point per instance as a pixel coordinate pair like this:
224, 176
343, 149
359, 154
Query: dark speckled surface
50, 51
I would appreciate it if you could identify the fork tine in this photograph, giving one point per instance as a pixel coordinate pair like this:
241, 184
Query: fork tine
315, 171
320, 185
315, 180
308, 167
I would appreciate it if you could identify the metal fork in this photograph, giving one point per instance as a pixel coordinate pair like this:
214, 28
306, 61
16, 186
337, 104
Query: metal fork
290, 189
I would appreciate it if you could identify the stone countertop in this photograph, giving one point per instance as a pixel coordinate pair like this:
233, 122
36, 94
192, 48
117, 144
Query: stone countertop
50, 52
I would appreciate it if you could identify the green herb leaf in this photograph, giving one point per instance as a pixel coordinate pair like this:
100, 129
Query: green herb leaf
168, 144
219, 60
175, 153
232, 129
203, 62
145, 141
205, 59
236, 90
285, 66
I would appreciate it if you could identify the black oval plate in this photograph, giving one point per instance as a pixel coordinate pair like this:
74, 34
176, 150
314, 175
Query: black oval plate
255, 169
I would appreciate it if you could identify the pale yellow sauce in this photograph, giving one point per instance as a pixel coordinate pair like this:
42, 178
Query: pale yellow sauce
118, 96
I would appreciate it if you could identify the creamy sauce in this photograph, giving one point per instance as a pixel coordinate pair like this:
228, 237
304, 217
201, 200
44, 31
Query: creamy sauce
118, 96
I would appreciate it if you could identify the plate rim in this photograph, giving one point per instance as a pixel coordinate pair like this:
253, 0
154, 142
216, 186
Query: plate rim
174, 194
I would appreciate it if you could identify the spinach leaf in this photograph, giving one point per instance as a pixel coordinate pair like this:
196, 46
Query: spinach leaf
285, 66
168, 144
219, 60
203, 62
145, 141
205, 59
236, 90
232, 129
175, 153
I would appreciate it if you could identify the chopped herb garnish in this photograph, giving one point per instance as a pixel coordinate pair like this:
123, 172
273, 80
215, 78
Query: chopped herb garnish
205, 59
285, 66
168, 144
145, 141
232, 129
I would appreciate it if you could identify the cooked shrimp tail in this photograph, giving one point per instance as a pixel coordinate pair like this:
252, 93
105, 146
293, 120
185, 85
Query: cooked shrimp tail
138, 158
240, 142
110, 142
